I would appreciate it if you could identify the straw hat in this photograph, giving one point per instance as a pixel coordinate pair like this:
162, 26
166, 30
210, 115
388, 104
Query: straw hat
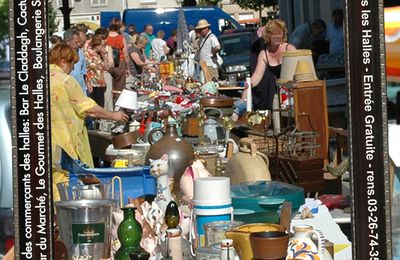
201, 24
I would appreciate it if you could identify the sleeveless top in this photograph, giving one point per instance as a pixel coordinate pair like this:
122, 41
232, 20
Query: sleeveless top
263, 93
118, 43
276, 70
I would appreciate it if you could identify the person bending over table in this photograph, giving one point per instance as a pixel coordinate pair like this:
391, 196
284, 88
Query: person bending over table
138, 61
69, 106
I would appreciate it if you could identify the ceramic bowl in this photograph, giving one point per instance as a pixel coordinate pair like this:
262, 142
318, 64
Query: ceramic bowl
269, 245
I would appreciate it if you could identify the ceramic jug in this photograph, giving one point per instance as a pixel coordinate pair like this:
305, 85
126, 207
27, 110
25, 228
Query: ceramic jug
248, 165
180, 153
304, 248
241, 237
300, 231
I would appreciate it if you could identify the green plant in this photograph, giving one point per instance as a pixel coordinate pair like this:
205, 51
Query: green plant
51, 17
4, 28
208, 2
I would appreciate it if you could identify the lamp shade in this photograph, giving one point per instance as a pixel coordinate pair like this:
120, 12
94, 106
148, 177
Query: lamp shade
289, 64
127, 100
304, 72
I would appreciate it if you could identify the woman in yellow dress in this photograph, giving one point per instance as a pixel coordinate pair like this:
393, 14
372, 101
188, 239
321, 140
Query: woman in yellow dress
69, 107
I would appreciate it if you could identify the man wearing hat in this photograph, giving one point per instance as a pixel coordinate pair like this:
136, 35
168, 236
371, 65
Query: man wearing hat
208, 46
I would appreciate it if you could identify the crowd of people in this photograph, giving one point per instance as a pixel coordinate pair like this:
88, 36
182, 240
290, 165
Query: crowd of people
80, 63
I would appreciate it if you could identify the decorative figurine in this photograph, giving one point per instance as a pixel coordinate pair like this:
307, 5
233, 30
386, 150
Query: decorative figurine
154, 215
159, 168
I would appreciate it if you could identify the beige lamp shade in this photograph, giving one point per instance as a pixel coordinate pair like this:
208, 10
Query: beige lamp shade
304, 72
127, 100
289, 65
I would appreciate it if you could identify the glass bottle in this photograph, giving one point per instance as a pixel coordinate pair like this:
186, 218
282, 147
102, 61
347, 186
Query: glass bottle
129, 234
227, 250
172, 215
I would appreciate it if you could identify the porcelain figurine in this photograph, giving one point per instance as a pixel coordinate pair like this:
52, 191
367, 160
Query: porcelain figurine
159, 169
186, 183
154, 215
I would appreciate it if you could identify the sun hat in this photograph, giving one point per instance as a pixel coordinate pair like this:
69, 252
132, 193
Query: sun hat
201, 24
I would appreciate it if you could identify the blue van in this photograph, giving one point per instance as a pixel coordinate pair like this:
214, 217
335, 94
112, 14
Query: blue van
166, 19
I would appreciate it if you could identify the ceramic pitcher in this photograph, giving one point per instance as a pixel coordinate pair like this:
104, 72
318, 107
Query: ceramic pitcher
304, 248
241, 237
300, 231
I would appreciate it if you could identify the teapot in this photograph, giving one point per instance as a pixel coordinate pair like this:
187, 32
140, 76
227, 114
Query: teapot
212, 132
241, 236
304, 248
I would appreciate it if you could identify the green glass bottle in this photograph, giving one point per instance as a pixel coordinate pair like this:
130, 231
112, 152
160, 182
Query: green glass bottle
129, 235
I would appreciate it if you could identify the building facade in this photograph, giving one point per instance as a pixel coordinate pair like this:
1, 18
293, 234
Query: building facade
85, 11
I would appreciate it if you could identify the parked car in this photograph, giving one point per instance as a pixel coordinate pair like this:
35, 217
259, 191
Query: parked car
5, 69
6, 188
235, 51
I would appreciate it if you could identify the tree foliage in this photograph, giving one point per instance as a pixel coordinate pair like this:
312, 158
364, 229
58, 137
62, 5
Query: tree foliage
189, 3
208, 2
256, 5
51, 17
4, 28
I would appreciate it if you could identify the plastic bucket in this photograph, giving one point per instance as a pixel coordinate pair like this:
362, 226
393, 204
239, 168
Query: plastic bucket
85, 227
211, 202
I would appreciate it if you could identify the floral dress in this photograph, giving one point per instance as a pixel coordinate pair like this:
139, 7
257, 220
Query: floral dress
69, 134
95, 68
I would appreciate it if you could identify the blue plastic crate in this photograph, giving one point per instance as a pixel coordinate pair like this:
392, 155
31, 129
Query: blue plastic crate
136, 181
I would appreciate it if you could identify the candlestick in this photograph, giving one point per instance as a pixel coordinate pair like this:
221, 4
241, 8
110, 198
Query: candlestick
249, 101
